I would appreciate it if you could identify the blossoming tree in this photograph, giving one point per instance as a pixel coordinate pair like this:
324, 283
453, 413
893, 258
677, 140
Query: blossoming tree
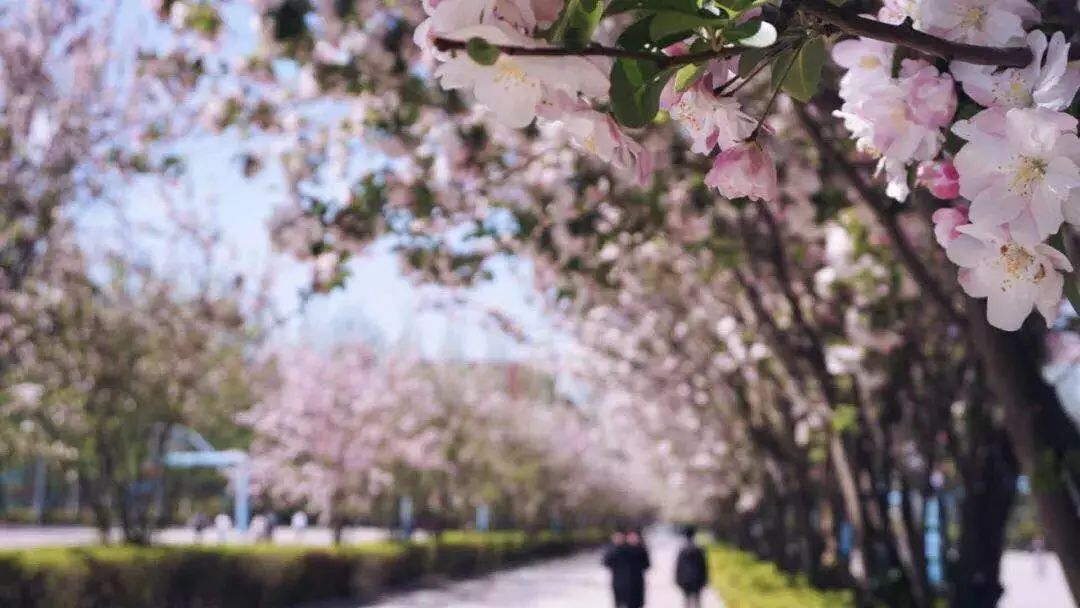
585, 133
349, 430
98, 375
962, 112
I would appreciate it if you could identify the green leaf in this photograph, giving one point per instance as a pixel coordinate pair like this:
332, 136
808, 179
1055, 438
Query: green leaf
801, 76
844, 418
683, 6
576, 23
750, 59
668, 23
735, 8
481, 51
636, 36
687, 76
635, 91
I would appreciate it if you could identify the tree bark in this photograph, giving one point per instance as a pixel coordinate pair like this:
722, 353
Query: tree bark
1043, 436
984, 514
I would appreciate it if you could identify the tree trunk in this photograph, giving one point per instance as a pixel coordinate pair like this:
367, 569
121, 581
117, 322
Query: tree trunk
811, 546
984, 514
96, 498
1043, 436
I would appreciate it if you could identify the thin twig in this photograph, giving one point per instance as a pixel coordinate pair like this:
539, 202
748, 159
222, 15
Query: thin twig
779, 85
904, 35
761, 65
596, 50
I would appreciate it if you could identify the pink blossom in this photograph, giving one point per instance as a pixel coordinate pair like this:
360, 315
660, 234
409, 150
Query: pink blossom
940, 178
1024, 178
931, 95
986, 22
896, 11
1014, 278
676, 49
711, 120
598, 134
1047, 82
513, 86
868, 63
744, 170
546, 11
946, 222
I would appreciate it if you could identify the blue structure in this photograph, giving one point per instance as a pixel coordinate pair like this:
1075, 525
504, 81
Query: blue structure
846, 540
483, 517
934, 568
204, 455
405, 516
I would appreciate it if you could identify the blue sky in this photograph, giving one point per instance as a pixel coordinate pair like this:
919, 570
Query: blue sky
377, 301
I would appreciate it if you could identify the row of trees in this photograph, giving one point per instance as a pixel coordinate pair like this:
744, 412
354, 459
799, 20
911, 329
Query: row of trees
806, 362
98, 374
351, 432
812, 420
813, 350
101, 357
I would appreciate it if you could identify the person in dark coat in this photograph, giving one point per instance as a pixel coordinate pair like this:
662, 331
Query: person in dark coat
691, 570
628, 558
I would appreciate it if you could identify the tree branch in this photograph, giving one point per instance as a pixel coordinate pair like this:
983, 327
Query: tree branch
905, 35
879, 205
596, 50
842, 19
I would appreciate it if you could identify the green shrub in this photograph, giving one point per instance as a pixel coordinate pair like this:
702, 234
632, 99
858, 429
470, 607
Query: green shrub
27, 515
261, 576
743, 581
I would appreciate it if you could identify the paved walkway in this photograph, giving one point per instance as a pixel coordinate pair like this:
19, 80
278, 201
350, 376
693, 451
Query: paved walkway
576, 582
1034, 580
582, 582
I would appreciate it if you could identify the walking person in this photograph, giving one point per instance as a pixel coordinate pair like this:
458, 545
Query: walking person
199, 523
223, 524
628, 558
691, 569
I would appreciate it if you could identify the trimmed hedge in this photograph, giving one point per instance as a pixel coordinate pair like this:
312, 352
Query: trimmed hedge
743, 581
260, 576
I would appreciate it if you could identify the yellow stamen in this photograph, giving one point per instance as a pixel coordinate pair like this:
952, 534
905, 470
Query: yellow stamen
508, 71
1027, 175
974, 17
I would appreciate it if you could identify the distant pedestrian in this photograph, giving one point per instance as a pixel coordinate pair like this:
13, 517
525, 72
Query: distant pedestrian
199, 523
258, 527
298, 523
222, 523
271, 524
628, 558
1038, 545
299, 520
691, 570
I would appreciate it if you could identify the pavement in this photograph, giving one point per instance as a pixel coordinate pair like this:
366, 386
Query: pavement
1034, 580
579, 581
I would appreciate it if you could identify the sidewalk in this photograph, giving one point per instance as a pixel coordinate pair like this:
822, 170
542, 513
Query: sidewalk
575, 582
